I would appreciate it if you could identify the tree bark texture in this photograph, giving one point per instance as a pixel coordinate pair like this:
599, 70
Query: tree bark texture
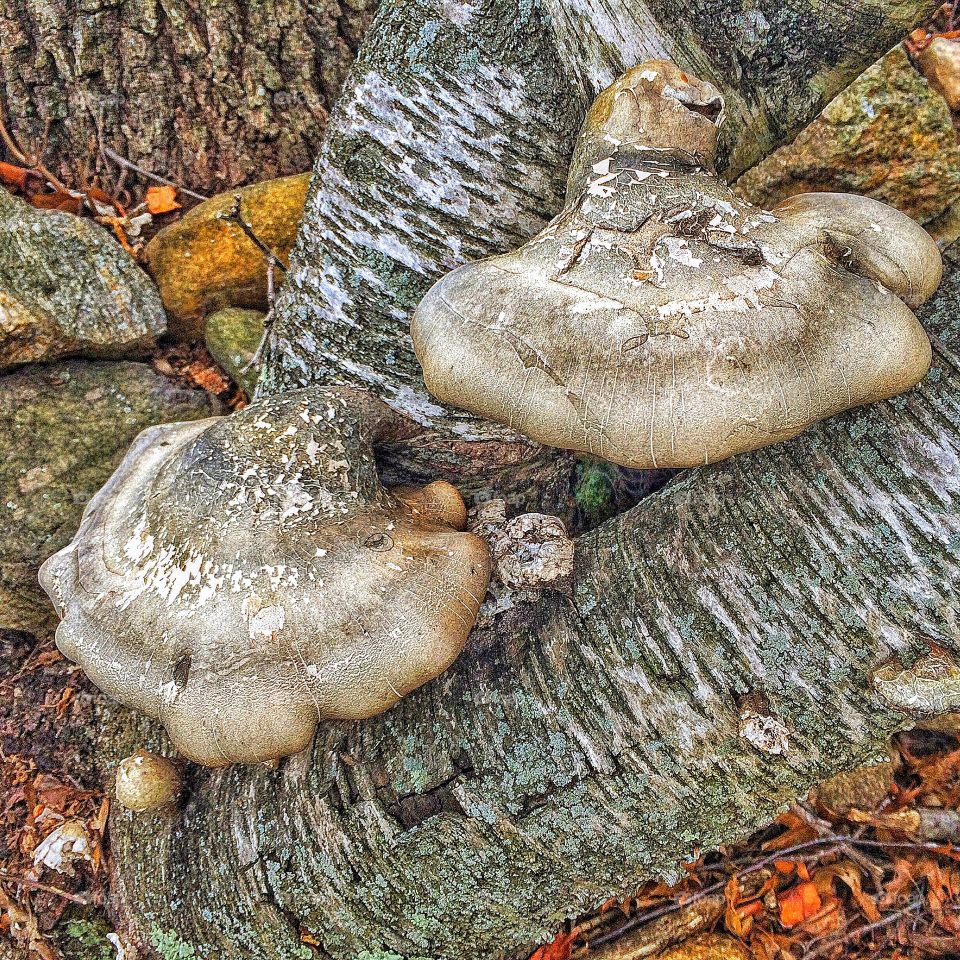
451, 142
211, 93
583, 744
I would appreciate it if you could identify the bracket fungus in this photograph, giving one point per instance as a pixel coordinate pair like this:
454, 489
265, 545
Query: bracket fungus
242, 578
661, 321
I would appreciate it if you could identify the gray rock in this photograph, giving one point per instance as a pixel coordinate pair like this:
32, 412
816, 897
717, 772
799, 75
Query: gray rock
68, 289
63, 430
232, 337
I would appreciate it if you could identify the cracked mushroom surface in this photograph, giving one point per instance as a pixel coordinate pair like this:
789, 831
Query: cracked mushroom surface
243, 578
661, 321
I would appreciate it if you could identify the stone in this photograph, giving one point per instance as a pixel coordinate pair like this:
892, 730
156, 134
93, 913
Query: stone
204, 263
863, 788
67, 288
232, 336
940, 63
63, 430
708, 946
889, 136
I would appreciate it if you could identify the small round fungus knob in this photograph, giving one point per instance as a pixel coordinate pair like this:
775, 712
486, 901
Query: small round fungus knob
147, 781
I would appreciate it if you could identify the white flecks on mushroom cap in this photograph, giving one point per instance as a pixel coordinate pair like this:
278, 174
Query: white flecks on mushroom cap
242, 578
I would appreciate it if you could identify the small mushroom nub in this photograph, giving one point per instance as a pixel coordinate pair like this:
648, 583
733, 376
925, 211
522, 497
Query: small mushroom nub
147, 781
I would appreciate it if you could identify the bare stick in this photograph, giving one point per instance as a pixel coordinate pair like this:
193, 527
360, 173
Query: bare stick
233, 215
36, 885
130, 165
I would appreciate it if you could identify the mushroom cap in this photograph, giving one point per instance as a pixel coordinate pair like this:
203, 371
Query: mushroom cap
242, 578
660, 321
147, 781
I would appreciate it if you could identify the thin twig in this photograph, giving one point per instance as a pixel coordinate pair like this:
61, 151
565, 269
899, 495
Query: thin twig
130, 165
859, 932
927, 845
34, 162
233, 215
37, 885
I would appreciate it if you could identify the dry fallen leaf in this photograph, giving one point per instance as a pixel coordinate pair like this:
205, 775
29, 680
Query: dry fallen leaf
207, 377
57, 200
799, 903
16, 177
162, 199
558, 950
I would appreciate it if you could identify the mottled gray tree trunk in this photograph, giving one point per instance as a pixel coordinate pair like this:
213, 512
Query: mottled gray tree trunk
211, 93
584, 744
718, 652
451, 142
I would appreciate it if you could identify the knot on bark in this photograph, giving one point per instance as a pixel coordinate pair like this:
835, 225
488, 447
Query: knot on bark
532, 551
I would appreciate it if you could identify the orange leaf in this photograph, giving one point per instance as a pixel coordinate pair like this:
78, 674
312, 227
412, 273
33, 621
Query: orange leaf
734, 923
162, 199
798, 831
799, 903
206, 377
750, 909
558, 950
784, 866
58, 200
12, 176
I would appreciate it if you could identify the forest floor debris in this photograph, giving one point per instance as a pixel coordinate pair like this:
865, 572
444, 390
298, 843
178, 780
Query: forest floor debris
819, 883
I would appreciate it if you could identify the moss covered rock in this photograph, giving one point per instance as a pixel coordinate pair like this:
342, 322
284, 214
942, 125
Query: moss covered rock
68, 289
232, 336
888, 136
63, 430
204, 263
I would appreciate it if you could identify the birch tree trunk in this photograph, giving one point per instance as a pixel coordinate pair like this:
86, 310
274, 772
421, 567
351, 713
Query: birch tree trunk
584, 744
211, 93
734, 639
451, 142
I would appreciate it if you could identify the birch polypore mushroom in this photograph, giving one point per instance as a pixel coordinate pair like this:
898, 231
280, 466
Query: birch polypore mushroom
660, 321
242, 578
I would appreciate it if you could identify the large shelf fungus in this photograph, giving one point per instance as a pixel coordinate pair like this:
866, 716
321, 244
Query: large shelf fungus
660, 321
242, 578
